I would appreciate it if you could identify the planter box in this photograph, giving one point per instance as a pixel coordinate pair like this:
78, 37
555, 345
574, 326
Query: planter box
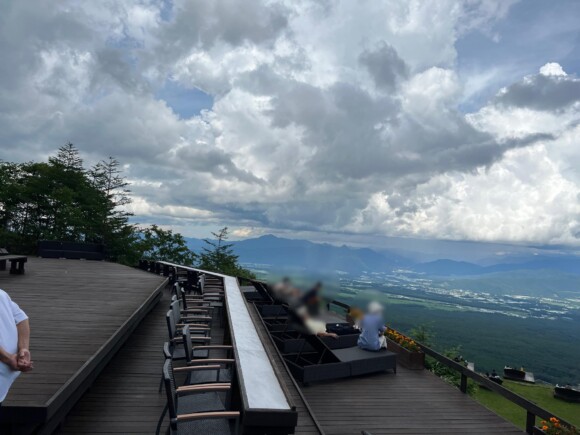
408, 359
538, 431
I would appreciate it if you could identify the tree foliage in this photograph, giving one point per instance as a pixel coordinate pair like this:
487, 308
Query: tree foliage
156, 243
62, 200
219, 256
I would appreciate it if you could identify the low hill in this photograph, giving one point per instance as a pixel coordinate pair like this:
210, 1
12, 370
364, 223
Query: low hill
569, 264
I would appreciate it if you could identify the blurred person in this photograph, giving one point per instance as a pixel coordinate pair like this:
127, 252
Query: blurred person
311, 299
314, 326
282, 288
372, 327
14, 342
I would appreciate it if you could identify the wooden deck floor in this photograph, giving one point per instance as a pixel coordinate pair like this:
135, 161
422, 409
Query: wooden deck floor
80, 313
125, 398
410, 402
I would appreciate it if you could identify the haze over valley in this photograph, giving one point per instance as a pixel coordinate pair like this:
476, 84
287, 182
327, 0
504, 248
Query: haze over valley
501, 313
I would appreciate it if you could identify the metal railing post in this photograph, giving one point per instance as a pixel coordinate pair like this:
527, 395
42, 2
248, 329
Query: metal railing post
530, 422
463, 386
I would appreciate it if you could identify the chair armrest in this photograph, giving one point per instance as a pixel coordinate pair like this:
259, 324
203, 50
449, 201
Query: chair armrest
203, 317
194, 338
206, 361
200, 338
213, 346
194, 368
200, 309
206, 415
194, 328
197, 318
202, 388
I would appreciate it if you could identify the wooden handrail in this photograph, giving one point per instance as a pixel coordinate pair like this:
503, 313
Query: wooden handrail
532, 409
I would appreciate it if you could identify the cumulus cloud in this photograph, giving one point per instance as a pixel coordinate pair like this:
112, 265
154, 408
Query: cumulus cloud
325, 116
551, 89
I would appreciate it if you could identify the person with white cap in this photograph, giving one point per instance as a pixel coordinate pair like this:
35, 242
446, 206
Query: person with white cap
373, 326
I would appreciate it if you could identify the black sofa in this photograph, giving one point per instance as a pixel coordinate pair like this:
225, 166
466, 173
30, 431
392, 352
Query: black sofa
71, 250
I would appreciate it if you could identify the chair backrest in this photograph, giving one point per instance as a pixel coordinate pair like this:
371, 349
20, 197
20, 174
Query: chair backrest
175, 289
176, 311
186, 335
167, 350
171, 324
172, 274
170, 389
182, 296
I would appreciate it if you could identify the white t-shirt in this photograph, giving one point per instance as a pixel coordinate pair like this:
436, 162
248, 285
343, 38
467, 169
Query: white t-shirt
10, 316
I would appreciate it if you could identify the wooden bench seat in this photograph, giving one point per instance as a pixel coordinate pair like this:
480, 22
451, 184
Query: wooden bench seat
16, 263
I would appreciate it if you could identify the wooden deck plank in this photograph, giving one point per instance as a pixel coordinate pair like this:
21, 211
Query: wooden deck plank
410, 402
125, 398
79, 311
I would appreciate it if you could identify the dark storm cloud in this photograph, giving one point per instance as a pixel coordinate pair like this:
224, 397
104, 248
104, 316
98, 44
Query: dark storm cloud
203, 24
542, 92
384, 65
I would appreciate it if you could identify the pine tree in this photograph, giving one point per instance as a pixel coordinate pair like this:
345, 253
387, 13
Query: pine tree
219, 256
68, 157
112, 219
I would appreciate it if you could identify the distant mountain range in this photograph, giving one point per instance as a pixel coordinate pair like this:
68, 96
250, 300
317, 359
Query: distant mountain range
282, 253
562, 263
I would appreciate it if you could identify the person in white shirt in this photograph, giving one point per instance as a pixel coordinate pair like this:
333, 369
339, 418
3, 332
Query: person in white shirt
14, 340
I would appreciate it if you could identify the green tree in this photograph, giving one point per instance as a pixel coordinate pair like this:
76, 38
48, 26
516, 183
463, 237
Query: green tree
155, 243
111, 218
219, 257
68, 156
61, 200
423, 334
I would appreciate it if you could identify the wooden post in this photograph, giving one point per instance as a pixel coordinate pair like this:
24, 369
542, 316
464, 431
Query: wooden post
463, 386
530, 422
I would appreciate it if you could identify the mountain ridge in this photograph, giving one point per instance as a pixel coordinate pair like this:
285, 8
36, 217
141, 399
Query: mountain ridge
279, 252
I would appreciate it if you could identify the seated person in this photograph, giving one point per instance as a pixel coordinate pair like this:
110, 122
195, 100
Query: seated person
373, 326
281, 289
315, 327
311, 299
285, 291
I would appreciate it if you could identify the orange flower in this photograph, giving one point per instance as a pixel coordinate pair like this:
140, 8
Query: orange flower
544, 427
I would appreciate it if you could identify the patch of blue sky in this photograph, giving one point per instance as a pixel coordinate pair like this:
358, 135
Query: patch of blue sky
186, 102
534, 32
166, 10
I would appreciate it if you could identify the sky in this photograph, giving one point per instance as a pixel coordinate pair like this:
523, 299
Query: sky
451, 120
